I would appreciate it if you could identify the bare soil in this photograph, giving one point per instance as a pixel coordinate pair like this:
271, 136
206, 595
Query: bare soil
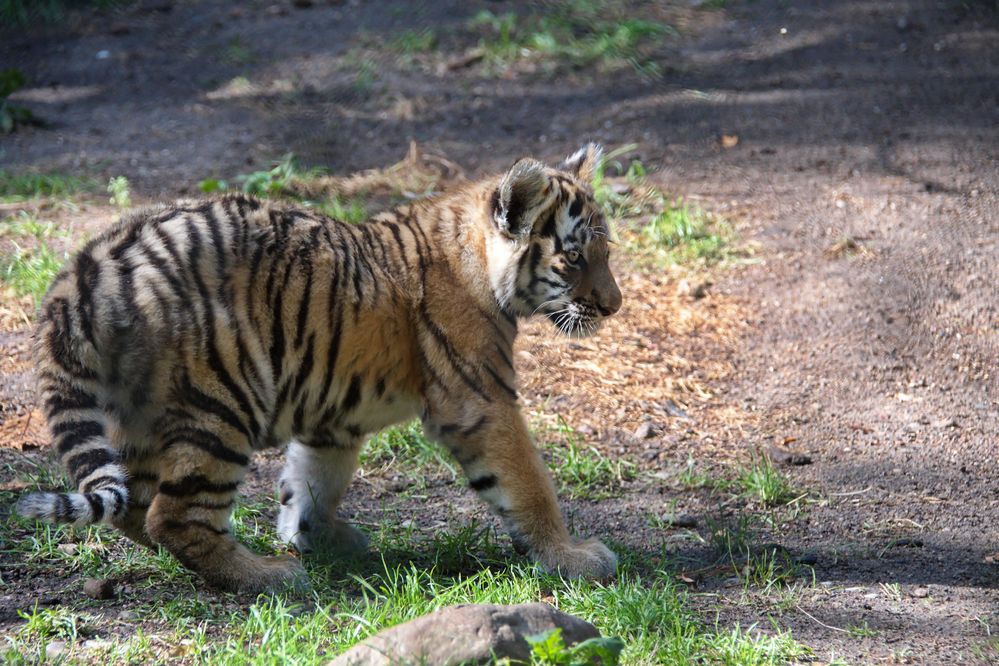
863, 333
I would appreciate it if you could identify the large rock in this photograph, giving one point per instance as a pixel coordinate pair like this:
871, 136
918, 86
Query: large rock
465, 634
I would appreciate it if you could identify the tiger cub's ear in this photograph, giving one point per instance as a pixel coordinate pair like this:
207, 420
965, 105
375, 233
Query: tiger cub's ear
518, 200
584, 162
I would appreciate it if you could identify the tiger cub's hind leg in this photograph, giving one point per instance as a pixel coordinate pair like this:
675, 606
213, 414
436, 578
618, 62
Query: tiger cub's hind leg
200, 471
312, 485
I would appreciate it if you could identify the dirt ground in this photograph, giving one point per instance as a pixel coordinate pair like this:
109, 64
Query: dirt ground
863, 333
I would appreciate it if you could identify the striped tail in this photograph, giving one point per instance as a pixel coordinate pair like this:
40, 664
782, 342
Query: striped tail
79, 432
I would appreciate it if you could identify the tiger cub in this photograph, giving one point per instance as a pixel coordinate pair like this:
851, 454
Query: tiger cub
187, 337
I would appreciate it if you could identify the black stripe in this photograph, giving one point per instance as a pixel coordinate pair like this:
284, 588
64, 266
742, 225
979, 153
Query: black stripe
103, 482
336, 328
177, 525
474, 428
211, 506
450, 352
499, 382
303, 306
74, 433
86, 463
215, 361
483, 483
87, 275
68, 398
206, 441
503, 355
96, 506
196, 398
194, 484
353, 395
211, 220
549, 229
64, 509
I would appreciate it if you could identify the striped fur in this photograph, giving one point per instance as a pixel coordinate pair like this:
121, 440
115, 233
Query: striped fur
189, 336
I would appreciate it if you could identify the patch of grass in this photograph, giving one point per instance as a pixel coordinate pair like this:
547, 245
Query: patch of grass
549, 649
406, 446
120, 191
414, 41
584, 472
12, 115
23, 186
693, 478
763, 483
655, 228
409, 574
279, 181
861, 631
31, 271
576, 32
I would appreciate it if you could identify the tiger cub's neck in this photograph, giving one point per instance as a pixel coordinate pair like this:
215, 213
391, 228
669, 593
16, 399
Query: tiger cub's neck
442, 243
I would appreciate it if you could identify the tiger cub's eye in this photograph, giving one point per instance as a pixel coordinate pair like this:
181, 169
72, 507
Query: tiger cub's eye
572, 256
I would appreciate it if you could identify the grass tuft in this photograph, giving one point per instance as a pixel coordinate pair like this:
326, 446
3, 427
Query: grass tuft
584, 472
763, 483
18, 187
579, 33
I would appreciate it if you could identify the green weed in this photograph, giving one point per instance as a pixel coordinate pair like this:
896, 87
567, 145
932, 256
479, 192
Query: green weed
279, 181
414, 41
548, 649
576, 32
12, 115
763, 483
18, 187
406, 446
31, 271
655, 228
120, 191
584, 472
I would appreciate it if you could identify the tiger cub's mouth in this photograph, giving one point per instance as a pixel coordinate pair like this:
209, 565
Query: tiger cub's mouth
576, 320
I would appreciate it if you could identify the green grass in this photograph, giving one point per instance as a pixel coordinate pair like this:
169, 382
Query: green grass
581, 471
279, 182
658, 230
406, 448
120, 192
580, 33
30, 271
16, 187
12, 115
408, 573
763, 483
414, 41
30, 267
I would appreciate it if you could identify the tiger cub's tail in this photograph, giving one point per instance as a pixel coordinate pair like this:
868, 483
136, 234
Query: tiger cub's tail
79, 432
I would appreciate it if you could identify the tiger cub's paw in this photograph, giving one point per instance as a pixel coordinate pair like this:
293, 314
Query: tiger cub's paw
274, 573
583, 559
310, 534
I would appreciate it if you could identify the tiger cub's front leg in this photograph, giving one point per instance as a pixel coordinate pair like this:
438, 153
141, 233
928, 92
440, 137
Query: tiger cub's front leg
312, 485
506, 470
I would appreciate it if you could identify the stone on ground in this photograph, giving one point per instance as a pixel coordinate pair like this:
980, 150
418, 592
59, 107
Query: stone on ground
466, 634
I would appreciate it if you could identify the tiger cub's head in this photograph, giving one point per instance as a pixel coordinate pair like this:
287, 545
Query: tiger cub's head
549, 255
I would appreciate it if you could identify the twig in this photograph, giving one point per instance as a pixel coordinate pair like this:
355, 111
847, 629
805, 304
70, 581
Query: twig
852, 492
818, 621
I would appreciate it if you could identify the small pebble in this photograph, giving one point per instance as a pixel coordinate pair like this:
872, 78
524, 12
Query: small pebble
98, 589
68, 548
128, 616
645, 431
54, 650
681, 520
920, 592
